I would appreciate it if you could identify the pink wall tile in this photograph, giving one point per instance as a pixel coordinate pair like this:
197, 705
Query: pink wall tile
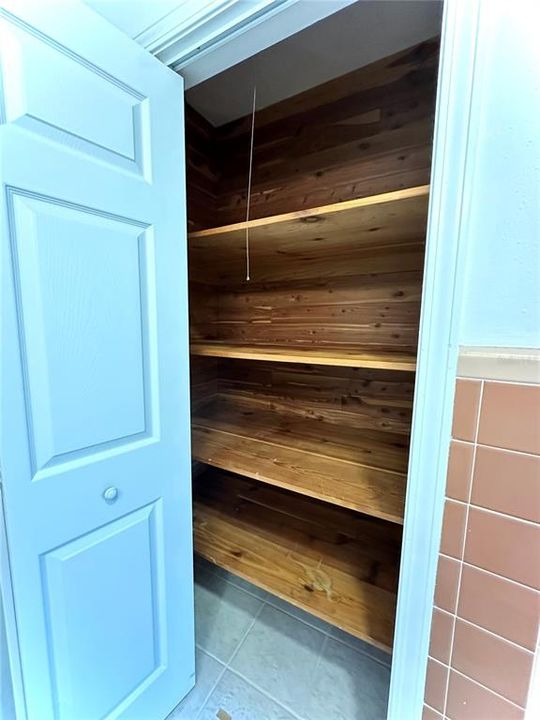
508, 482
469, 701
498, 536
453, 531
466, 405
504, 546
447, 582
510, 416
493, 662
430, 714
460, 462
436, 684
499, 605
442, 625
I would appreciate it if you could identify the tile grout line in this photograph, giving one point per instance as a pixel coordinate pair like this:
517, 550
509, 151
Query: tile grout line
497, 381
244, 636
485, 687
380, 661
226, 666
264, 603
446, 666
266, 694
213, 569
214, 686
490, 511
476, 682
490, 572
464, 542
483, 629
432, 708
512, 451
328, 633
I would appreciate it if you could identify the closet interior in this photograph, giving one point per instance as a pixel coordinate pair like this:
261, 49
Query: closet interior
303, 375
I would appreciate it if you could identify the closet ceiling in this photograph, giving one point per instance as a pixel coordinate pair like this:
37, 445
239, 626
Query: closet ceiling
349, 39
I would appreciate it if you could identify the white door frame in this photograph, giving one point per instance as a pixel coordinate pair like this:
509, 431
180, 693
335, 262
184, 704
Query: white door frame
454, 141
444, 272
438, 343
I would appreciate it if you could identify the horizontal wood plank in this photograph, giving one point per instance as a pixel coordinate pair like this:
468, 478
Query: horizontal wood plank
361, 471
338, 565
340, 357
388, 216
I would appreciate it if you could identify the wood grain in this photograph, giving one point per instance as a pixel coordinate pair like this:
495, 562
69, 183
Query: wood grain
340, 357
388, 217
303, 378
362, 471
356, 399
338, 565
366, 314
367, 132
322, 287
364, 133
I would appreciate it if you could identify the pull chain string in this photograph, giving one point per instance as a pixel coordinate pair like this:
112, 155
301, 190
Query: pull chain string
249, 181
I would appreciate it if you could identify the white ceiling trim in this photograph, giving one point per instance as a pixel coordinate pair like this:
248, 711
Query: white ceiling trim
197, 27
201, 39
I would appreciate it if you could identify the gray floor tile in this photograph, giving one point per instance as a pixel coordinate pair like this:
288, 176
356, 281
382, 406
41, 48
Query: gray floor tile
202, 564
347, 685
223, 613
361, 646
242, 702
208, 671
300, 614
279, 655
241, 583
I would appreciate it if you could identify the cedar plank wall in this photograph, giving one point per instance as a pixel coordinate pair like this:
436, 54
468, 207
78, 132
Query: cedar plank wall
201, 171
367, 132
356, 398
201, 178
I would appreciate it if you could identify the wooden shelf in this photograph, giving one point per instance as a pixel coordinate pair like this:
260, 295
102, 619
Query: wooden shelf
364, 470
337, 565
337, 357
389, 217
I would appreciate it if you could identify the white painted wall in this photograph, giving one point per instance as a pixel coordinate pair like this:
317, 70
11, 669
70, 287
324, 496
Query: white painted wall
502, 288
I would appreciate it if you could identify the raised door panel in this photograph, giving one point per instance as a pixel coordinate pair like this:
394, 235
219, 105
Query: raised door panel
104, 651
40, 107
94, 427
83, 281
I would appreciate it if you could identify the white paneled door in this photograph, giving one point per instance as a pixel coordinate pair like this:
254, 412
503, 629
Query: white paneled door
94, 368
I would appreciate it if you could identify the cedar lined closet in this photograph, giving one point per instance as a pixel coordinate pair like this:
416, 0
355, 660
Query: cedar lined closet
303, 378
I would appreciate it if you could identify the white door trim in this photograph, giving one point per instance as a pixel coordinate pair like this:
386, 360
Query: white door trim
441, 306
452, 168
454, 143
201, 39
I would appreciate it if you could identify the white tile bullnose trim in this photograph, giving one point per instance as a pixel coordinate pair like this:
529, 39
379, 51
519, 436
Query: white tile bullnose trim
520, 365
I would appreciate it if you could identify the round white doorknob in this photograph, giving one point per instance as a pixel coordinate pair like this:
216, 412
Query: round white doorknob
110, 494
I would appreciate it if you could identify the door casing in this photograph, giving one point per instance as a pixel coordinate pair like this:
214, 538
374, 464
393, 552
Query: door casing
437, 355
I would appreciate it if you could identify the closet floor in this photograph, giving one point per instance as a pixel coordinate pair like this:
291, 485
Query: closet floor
259, 658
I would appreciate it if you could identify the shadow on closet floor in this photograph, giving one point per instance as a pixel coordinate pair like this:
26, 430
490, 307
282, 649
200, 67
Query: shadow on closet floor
259, 658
